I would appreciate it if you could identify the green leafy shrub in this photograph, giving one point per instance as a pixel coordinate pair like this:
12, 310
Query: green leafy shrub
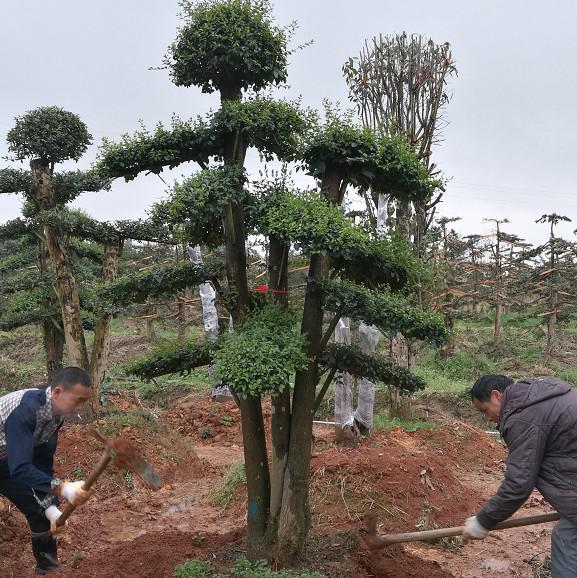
262, 355
192, 569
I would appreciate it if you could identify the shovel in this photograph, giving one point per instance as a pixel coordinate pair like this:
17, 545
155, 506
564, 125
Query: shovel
376, 542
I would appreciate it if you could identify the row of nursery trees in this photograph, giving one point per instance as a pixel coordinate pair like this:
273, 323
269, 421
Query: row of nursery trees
64, 270
503, 273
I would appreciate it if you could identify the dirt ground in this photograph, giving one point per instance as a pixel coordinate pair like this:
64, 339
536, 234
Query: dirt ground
431, 478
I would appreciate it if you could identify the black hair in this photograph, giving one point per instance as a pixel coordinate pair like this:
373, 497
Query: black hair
68, 377
487, 383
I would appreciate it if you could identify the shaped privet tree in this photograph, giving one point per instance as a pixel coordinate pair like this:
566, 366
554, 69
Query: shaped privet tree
451, 285
475, 270
45, 137
48, 136
231, 46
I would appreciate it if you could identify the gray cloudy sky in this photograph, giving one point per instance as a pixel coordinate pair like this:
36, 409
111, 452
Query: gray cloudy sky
508, 149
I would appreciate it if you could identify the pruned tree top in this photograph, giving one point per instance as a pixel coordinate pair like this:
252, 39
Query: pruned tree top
194, 206
228, 46
553, 218
14, 181
49, 133
14, 229
262, 354
27, 307
77, 224
23, 280
26, 257
386, 165
66, 186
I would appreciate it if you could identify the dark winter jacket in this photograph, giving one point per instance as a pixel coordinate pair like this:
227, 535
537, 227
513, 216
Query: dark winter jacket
538, 422
28, 436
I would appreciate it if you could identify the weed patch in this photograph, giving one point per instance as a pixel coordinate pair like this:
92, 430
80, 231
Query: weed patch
235, 477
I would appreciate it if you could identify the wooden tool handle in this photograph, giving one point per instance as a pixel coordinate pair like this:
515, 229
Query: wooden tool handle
94, 475
386, 540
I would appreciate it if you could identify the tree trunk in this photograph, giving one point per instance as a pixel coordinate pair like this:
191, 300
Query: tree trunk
51, 328
101, 345
553, 295
253, 434
181, 315
295, 513
257, 476
497, 329
281, 403
498, 287
53, 346
69, 300
65, 282
403, 217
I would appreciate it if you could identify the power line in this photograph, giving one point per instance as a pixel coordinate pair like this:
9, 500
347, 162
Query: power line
523, 191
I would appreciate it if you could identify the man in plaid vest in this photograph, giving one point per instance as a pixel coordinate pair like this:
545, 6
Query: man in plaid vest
29, 424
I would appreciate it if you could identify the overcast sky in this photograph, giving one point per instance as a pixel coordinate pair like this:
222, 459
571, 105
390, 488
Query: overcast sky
509, 148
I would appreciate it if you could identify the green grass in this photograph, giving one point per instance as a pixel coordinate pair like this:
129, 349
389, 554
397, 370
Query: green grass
195, 381
242, 569
137, 418
383, 422
530, 354
568, 374
235, 477
453, 374
192, 569
437, 382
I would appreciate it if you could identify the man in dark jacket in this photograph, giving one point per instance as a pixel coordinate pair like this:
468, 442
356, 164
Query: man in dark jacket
29, 424
537, 418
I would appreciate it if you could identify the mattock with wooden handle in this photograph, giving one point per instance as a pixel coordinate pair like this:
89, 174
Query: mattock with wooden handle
126, 457
376, 542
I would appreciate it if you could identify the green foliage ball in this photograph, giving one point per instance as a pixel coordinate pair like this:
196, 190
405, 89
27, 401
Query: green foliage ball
262, 354
228, 46
49, 133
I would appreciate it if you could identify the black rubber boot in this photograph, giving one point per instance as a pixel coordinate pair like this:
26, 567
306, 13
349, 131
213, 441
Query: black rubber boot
46, 554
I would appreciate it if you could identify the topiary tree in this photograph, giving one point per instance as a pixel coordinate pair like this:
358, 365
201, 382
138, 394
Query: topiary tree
350, 272
45, 137
556, 275
48, 136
